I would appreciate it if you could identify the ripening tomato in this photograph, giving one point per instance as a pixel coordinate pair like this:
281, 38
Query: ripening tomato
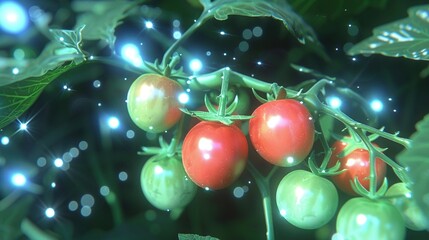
400, 196
153, 102
214, 155
282, 132
306, 200
363, 218
356, 164
165, 184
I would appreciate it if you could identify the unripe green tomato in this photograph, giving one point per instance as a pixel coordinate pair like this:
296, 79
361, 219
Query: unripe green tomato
306, 200
400, 196
153, 102
364, 218
165, 184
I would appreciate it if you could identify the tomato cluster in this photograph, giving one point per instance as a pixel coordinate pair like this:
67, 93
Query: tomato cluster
213, 156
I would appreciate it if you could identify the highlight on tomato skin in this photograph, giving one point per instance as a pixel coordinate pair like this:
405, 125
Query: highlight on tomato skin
214, 155
356, 164
282, 132
153, 102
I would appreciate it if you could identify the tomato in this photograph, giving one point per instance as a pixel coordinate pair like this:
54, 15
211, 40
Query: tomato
214, 154
282, 132
400, 196
153, 103
356, 164
165, 184
363, 218
306, 200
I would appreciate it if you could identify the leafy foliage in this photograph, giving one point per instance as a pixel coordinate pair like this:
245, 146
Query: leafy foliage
11, 217
183, 236
101, 18
280, 10
16, 98
408, 37
416, 161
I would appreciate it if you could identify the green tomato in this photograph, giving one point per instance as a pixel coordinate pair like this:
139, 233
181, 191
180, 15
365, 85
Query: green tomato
165, 184
306, 200
400, 196
363, 218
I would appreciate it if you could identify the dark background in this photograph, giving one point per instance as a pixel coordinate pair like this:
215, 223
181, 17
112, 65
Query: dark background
63, 118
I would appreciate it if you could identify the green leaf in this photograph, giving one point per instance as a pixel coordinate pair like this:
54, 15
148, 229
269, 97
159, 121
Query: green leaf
280, 10
102, 17
416, 162
71, 39
407, 37
183, 236
11, 217
17, 97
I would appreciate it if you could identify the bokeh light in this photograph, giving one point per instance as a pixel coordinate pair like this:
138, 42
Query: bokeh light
50, 212
376, 105
195, 65
113, 122
18, 179
131, 53
13, 17
334, 101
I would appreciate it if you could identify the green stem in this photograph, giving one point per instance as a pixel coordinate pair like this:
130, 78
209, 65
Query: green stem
223, 97
264, 189
185, 35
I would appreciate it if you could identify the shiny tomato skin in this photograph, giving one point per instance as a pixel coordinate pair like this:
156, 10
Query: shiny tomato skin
153, 104
165, 184
282, 132
363, 218
357, 165
214, 155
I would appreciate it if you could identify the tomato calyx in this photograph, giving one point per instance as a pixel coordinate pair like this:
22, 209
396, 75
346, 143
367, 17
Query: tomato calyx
277, 92
331, 171
213, 114
164, 150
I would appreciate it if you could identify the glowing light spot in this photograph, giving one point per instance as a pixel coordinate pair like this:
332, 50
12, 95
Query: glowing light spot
223, 33
87, 200
123, 176
148, 24
113, 122
130, 134
243, 46
259, 63
195, 65
15, 70
257, 31
176, 23
73, 205
208, 53
5, 140
361, 219
247, 34
334, 102
83, 145
23, 126
53, 185
104, 190
18, 179
183, 98
352, 30
13, 18
177, 35
207, 188
238, 192
41, 162
74, 152
85, 211
158, 170
290, 160
96, 83
58, 162
50, 212
131, 53
376, 105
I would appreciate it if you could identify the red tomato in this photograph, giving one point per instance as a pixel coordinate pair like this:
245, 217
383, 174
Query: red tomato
214, 155
282, 132
153, 103
357, 165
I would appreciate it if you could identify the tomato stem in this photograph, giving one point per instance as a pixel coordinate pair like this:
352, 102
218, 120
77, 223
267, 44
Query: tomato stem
264, 189
223, 97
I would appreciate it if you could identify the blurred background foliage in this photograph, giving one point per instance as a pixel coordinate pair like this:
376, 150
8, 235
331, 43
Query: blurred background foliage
61, 118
